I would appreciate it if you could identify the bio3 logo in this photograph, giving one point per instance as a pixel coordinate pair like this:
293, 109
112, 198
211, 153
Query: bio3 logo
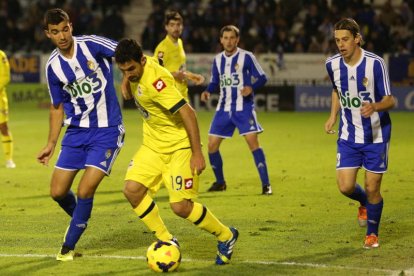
86, 86
229, 81
355, 102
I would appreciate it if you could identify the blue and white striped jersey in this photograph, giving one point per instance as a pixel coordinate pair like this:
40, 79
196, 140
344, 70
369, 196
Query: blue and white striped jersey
366, 81
84, 83
232, 73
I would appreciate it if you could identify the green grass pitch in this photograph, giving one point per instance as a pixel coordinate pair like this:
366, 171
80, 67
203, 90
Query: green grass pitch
306, 228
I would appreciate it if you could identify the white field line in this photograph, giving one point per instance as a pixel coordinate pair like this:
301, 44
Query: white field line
315, 265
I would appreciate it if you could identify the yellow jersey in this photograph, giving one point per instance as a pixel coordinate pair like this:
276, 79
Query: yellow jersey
173, 58
158, 101
4, 72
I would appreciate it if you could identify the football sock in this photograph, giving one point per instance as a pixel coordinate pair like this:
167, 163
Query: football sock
79, 222
259, 159
148, 212
359, 195
7, 143
204, 219
217, 166
68, 203
374, 212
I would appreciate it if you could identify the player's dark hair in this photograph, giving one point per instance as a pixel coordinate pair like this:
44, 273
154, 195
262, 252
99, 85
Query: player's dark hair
54, 17
172, 15
230, 28
128, 49
350, 25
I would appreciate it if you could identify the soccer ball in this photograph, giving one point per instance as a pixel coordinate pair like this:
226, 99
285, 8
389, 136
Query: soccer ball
163, 256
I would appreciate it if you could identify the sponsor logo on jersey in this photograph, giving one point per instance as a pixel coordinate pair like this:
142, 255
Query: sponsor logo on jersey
159, 85
188, 183
103, 164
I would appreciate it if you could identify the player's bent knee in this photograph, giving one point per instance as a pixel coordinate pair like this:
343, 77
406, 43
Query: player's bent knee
183, 208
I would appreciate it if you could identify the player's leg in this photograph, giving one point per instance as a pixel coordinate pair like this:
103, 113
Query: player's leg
94, 150
183, 188
249, 127
375, 163
221, 127
60, 189
146, 167
260, 161
88, 184
349, 160
374, 207
6, 136
216, 163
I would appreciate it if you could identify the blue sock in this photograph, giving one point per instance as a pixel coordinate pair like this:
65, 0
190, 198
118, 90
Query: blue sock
374, 212
359, 195
217, 166
68, 203
79, 222
259, 159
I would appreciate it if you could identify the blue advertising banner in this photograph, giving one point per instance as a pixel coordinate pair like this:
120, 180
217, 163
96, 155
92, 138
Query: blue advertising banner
318, 98
25, 68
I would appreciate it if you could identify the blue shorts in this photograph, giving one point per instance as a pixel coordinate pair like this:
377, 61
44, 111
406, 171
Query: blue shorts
93, 147
224, 123
372, 157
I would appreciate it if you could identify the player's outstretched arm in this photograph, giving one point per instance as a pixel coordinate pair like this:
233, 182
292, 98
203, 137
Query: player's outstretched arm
56, 115
197, 79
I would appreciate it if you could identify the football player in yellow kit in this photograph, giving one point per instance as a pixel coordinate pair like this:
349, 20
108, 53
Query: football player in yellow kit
171, 151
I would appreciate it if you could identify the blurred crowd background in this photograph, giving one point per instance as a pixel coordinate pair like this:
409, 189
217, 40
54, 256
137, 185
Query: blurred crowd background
289, 26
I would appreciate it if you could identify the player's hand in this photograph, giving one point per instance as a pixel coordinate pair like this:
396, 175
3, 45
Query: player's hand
197, 163
246, 91
45, 155
179, 76
197, 79
126, 89
367, 109
329, 124
205, 95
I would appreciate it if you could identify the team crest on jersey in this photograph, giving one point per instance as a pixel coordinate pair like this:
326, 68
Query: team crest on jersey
108, 153
91, 65
236, 66
188, 183
365, 81
160, 55
159, 85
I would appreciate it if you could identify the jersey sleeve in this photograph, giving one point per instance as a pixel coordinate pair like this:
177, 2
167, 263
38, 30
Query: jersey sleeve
382, 82
166, 93
215, 78
55, 87
328, 66
159, 53
102, 45
254, 70
4, 70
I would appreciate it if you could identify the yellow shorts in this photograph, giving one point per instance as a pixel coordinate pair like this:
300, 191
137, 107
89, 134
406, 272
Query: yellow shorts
150, 168
4, 108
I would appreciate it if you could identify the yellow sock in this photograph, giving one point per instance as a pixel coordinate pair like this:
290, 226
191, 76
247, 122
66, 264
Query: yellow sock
204, 219
148, 212
7, 142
